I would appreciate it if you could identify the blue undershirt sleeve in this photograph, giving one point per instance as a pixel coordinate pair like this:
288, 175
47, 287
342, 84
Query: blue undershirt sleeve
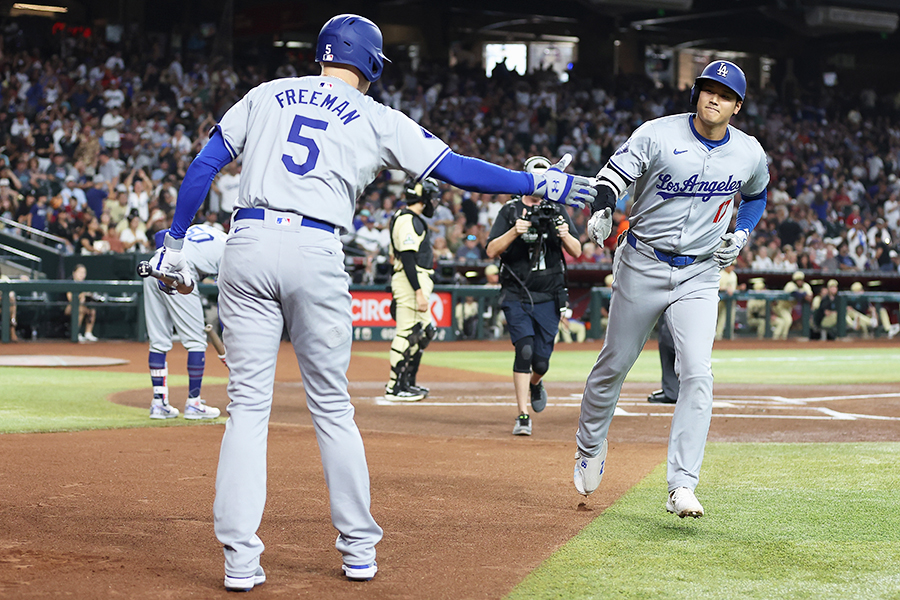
477, 175
197, 180
750, 211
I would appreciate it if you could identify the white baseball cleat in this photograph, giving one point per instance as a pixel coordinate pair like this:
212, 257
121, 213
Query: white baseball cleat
360, 572
245, 584
684, 503
195, 408
163, 411
589, 471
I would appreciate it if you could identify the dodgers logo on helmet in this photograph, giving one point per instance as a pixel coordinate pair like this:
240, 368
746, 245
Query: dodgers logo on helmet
722, 71
352, 40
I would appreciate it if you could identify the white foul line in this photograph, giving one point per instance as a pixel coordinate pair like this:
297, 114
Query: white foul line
767, 402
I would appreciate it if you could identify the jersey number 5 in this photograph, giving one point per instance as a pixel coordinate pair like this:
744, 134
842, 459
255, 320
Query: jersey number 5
295, 138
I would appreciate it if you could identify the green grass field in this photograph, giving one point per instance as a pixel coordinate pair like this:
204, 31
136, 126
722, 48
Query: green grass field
782, 521
71, 399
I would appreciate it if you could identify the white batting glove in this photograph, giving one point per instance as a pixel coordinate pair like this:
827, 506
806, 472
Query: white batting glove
732, 243
600, 226
172, 262
557, 186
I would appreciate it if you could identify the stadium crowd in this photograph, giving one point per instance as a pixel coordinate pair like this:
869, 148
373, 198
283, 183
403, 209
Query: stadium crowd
93, 148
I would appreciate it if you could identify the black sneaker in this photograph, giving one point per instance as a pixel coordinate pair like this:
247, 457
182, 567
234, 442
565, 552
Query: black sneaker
523, 425
538, 397
418, 389
401, 395
659, 397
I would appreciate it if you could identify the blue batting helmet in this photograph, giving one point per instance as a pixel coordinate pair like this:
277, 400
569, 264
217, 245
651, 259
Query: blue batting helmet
352, 40
725, 72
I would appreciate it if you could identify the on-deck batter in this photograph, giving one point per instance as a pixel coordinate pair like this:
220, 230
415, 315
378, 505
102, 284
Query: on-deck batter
182, 313
686, 170
311, 145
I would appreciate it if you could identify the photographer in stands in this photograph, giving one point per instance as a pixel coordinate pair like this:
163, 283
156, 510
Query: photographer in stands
529, 236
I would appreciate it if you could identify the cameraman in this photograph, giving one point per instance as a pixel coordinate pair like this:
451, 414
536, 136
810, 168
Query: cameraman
529, 237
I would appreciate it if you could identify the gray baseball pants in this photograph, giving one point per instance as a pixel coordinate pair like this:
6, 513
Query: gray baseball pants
274, 275
643, 288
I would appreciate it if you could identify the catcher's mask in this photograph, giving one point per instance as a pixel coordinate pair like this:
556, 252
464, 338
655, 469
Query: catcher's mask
426, 191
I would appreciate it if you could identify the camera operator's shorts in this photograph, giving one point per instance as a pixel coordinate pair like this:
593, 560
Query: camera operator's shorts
540, 321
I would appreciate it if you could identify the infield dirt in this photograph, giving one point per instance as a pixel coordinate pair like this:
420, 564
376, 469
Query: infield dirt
468, 510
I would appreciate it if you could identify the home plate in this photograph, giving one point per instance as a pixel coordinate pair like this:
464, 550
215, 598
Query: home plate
49, 360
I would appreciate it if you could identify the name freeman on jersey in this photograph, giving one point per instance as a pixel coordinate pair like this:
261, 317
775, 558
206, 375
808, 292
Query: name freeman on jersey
301, 96
692, 187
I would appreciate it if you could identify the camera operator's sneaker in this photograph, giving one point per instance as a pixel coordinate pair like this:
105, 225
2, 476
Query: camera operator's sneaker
195, 408
538, 396
684, 503
523, 425
398, 394
159, 410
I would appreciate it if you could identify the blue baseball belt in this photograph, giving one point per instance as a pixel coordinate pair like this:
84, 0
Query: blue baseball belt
260, 215
674, 260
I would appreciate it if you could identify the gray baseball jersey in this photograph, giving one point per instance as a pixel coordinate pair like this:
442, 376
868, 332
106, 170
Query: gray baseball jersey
311, 145
203, 250
685, 191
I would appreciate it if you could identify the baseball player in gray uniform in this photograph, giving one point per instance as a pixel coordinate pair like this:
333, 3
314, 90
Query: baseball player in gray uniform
687, 170
165, 313
310, 147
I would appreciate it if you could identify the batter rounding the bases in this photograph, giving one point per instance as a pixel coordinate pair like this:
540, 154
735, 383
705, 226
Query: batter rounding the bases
686, 170
311, 145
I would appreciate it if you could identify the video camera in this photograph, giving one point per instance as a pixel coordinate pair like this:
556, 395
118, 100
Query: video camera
543, 217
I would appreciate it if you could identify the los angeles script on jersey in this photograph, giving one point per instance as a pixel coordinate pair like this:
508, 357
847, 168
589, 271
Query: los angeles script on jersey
692, 187
323, 100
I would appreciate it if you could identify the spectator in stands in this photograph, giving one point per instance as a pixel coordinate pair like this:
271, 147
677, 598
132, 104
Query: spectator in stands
73, 197
96, 194
471, 249
139, 192
440, 249
134, 236
443, 216
844, 261
86, 314
40, 213
91, 239
762, 262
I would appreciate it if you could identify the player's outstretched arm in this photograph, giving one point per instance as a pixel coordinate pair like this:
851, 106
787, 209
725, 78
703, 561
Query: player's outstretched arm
477, 175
